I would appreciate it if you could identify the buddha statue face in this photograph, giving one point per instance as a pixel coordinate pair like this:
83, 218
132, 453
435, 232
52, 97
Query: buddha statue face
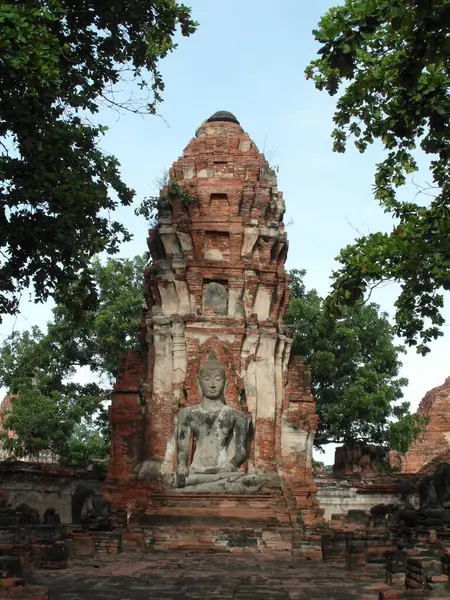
212, 379
212, 383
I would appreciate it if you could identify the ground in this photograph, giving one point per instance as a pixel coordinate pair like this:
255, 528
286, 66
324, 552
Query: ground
179, 576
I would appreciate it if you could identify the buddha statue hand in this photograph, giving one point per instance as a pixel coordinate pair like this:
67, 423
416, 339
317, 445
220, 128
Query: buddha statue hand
182, 473
210, 470
230, 467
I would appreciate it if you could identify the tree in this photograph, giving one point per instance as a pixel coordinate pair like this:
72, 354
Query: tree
51, 411
45, 416
394, 58
61, 61
98, 337
355, 365
87, 442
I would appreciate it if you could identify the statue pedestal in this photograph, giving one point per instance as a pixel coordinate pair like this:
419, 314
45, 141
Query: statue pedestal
221, 522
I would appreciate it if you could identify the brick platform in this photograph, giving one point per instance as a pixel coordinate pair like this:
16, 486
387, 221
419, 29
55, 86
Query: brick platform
199, 575
216, 521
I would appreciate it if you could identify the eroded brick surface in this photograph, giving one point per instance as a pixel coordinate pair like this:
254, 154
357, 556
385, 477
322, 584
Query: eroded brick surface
434, 439
180, 576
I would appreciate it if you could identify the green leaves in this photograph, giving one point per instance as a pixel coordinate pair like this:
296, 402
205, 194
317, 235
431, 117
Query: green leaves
397, 58
405, 431
151, 206
49, 410
354, 366
45, 419
87, 443
57, 188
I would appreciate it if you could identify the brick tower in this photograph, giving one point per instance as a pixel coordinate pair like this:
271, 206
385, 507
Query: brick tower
216, 281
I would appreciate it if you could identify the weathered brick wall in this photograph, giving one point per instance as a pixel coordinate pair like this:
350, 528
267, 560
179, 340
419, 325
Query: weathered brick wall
357, 457
434, 439
430, 467
126, 416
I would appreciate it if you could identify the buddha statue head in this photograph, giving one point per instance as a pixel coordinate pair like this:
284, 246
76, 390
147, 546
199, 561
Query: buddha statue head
212, 379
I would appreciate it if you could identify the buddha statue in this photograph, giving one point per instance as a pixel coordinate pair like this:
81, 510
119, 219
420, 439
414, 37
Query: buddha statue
219, 431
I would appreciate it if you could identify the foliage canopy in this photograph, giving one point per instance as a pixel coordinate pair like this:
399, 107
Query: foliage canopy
354, 361
392, 58
355, 366
50, 411
61, 61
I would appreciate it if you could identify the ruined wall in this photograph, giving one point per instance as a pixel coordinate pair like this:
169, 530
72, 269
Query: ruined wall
44, 486
358, 457
127, 418
338, 496
434, 439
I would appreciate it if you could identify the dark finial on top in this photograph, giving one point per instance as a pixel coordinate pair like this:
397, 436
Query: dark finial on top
223, 115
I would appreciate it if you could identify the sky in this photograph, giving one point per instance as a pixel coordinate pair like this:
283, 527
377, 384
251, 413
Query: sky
248, 57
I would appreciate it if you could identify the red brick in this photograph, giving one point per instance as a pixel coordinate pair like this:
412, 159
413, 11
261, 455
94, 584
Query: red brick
233, 195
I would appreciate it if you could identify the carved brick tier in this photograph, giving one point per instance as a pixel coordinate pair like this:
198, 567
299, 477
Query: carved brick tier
216, 280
